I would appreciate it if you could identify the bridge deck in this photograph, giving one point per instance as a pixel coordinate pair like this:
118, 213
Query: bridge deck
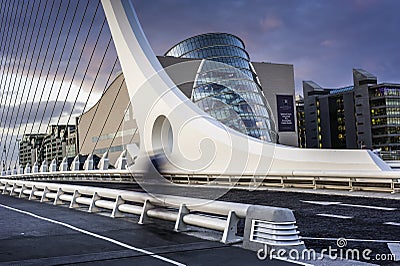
42, 234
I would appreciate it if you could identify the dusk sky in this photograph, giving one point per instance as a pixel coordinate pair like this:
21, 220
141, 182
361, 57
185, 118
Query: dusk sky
324, 40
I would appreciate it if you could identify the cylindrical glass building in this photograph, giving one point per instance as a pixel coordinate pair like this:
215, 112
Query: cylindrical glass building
226, 85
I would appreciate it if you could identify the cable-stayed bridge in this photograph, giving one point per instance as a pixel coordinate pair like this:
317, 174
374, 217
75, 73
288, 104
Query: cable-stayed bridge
59, 58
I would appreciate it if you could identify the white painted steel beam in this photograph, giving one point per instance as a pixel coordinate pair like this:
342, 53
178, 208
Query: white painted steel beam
192, 141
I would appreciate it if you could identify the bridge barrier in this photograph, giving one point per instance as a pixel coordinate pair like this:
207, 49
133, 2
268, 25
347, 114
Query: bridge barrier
271, 226
388, 181
343, 180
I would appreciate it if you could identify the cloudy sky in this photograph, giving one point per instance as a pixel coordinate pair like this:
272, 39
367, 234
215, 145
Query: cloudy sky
324, 40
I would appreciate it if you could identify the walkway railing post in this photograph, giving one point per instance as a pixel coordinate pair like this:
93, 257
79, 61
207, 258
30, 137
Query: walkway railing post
143, 217
115, 212
180, 224
229, 235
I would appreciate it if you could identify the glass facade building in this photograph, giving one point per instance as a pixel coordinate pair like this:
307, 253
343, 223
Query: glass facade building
226, 85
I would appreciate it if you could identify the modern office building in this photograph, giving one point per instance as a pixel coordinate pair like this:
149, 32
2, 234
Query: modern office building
239, 101
30, 149
329, 116
363, 115
57, 143
71, 142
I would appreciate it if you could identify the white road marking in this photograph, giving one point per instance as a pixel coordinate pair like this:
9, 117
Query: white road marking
392, 223
334, 216
395, 249
293, 261
324, 203
95, 235
369, 207
328, 203
352, 239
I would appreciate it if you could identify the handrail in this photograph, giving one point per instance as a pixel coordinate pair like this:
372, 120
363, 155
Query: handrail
385, 181
294, 173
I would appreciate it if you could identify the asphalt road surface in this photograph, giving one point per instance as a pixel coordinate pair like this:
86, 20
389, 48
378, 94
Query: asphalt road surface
33, 233
366, 223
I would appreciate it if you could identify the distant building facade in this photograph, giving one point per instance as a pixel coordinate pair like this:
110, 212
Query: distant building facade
30, 149
301, 126
57, 143
329, 117
97, 134
364, 115
277, 82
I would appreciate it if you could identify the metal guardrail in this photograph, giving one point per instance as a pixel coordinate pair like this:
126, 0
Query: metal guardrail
351, 181
183, 211
82, 175
390, 155
395, 165
388, 181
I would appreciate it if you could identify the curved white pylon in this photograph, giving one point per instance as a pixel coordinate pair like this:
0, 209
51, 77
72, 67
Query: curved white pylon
193, 141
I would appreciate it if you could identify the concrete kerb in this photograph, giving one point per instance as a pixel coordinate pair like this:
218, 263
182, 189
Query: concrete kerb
272, 227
